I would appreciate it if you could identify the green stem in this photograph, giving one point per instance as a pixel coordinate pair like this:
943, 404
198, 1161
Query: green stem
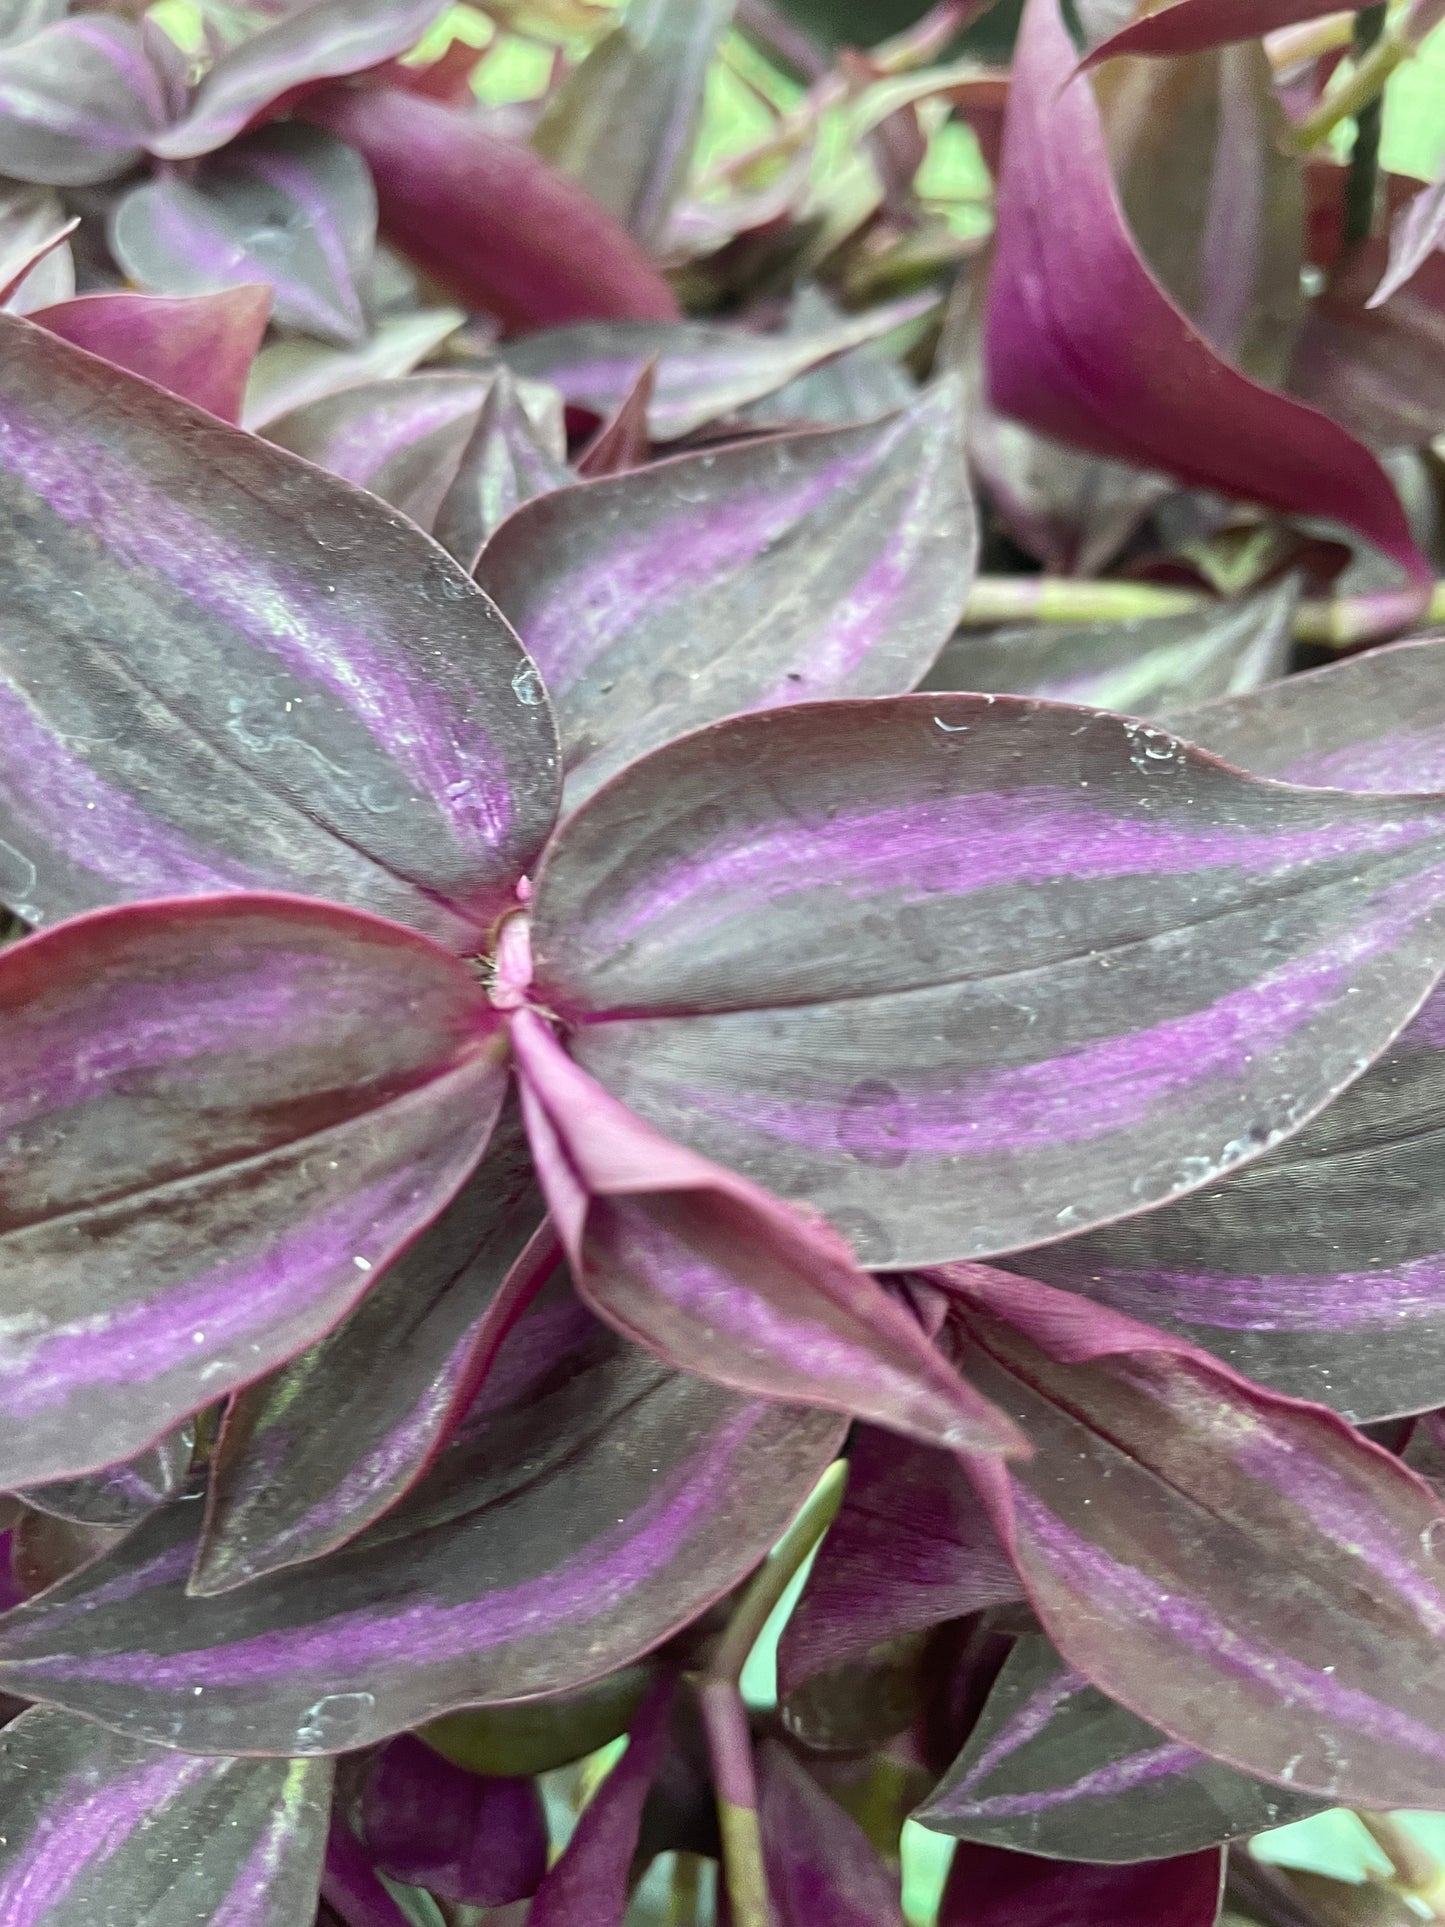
776, 1574
1363, 185
1356, 95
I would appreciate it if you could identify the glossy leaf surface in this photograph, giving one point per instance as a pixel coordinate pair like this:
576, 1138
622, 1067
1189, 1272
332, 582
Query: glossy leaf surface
294, 373
721, 1279
822, 1869
310, 1456
1241, 1570
289, 206
1138, 963
223, 1117
79, 100
1156, 394
828, 564
1056, 1768
200, 347
119, 1495
593, 1504
703, 372
479, 1841
221, 670
988, 1887
101, 1828
318, 42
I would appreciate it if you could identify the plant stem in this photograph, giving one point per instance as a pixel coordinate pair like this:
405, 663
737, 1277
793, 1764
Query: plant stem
776, 1573
1363, 184
1377, 58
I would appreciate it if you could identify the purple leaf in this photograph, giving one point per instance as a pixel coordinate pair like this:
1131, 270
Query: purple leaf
319, 42
622, 442
79, 100
822, 1869
830, 563
507, 461
1375, 721
1191, 26
858, 386
988, 1887
625, 121
311, 1456
200, 347
911, 1547
703, 371
588, 1886
1239, 1569
1146, 666
351, 1886
1378, 370
1054, 1767
719, 1278
968, 973
292, 374
488, 220
593, 1503
100, 1828
289, 206
1416, 235
221, 669
1320, 1269
482, 1842
224, 1116
1153, 393
34, 229
119, 1495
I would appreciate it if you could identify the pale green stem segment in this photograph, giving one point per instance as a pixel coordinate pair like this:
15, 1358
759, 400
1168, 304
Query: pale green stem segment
1338, 623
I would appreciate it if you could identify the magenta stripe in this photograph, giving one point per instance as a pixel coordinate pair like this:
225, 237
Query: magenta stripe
1337, 1301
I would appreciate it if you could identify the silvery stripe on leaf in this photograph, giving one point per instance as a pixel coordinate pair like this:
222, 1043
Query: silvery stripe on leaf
224, 1118
855, 387
833, 563
593, 1503
200, 347
29, 218
488, 220
464, 1837
703, 371
911, 1547
1140, 666
290, 206
221, 669
321, 42
79, 100
119, 1495
1054, 1767
102, 1828
310, 1456
1375, 721
967, 973
588, 1885
290, 375
625, 120
721, 1279
822, 1868
989, 1887
1320, 1269
1241, 1570
1153, 393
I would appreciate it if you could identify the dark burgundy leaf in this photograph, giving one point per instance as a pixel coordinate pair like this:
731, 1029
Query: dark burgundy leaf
79, 100
488, 220
588, 1886
310, 1456
479, 1841
1144, 667
221, 669
703, 371
289, 206
1054, 1767
969, 973
99, 1828
829, 563
721, 1279
988, 1887
622, 442
1153, 393
912, 1546
1190, 26
200, 347
822, 1869
223, 1116
594, 1503
317, 42
351, 1885
1240, 1569
119, 1495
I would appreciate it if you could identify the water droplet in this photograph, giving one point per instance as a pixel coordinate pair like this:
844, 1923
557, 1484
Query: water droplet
527, 685
335, 1722
873, 1124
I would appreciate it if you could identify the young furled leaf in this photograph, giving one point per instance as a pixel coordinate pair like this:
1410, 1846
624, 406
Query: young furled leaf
833, 563
481, 1842
988, 1887
508, 461
101, 1828
965, 972
1054, 1767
